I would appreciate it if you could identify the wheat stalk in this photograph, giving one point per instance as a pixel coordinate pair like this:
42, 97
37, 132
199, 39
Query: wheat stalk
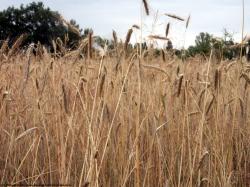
145, 3
26, 133
69, 25
179, 85
127, 40
65, 99
17, 44
115, 38
188, 20
167, 29
175, 17
90, 34
163, 55
4, 47
217, 79
157, 37
136, 27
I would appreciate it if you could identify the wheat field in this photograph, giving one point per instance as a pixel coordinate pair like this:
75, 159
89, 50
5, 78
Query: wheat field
123, 121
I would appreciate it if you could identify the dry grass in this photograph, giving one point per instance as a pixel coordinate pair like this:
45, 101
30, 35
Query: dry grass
75, 122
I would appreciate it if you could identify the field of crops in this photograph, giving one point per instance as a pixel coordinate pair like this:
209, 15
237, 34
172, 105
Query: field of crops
123, 121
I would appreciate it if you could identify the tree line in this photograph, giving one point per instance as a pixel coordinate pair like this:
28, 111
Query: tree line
40, 24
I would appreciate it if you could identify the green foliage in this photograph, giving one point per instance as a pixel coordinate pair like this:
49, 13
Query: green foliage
228, 41
39, 23
222, 47
203, 43
192, 51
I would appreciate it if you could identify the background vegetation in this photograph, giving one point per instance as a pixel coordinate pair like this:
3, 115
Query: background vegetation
40, 24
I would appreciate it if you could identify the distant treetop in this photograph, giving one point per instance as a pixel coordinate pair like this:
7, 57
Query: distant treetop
39, 23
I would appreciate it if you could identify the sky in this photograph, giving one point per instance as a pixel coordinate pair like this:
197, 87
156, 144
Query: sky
103, 16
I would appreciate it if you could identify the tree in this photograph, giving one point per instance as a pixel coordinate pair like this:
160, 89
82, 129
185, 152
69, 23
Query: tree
227, 37
228, 51
39, 23
203, 43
